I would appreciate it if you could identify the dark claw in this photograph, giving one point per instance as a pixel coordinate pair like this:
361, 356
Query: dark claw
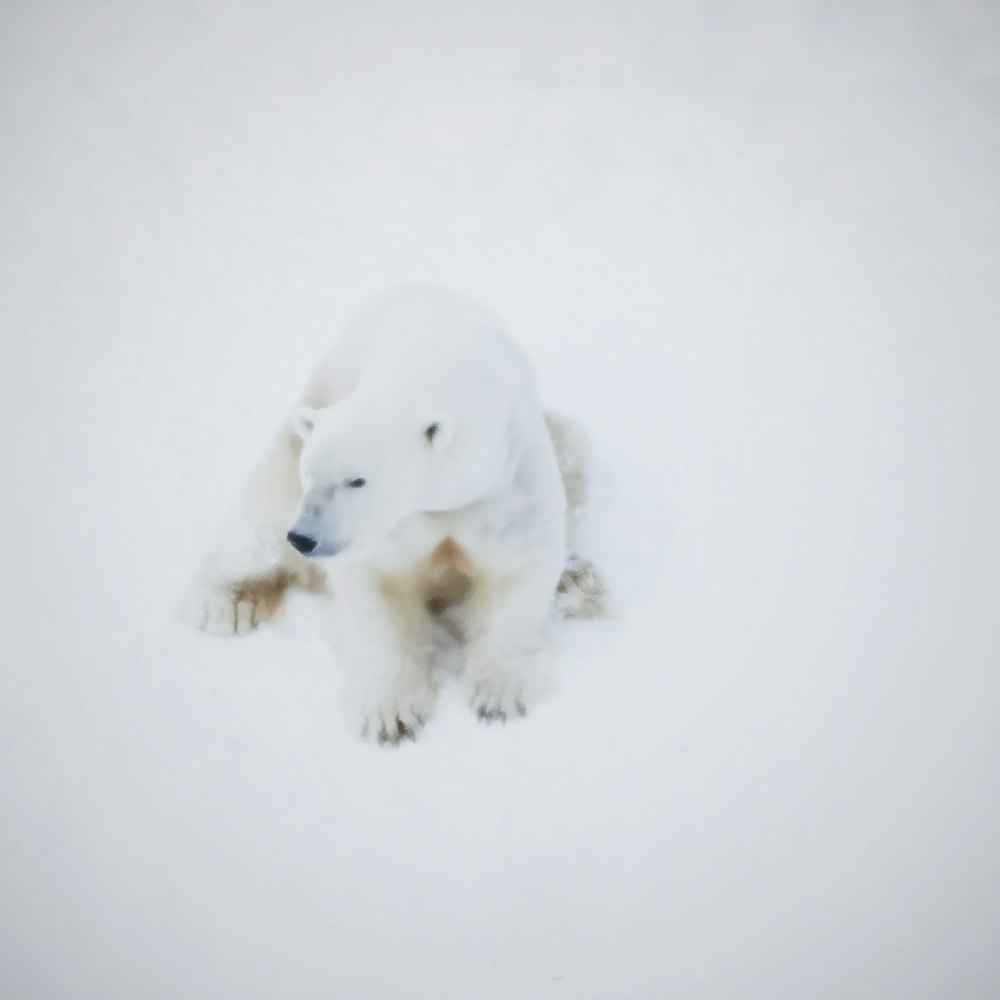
395, 732
400, 732
489, 715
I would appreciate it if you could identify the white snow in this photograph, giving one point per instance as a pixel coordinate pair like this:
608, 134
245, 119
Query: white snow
756, 249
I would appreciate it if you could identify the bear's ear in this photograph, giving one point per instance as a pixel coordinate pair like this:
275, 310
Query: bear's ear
437, 431
304, 420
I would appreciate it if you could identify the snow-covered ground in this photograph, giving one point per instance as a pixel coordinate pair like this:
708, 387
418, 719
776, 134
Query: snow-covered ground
756, 249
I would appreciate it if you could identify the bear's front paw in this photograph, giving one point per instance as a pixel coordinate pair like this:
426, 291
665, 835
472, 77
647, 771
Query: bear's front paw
222, 609
497, 699
391, 719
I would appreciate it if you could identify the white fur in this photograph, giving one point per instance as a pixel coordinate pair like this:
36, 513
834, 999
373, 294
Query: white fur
426, 399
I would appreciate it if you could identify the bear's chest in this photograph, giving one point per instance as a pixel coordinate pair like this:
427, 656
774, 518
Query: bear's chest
487, 536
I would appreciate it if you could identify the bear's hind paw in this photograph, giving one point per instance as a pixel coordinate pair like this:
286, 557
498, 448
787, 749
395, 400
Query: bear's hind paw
581, 592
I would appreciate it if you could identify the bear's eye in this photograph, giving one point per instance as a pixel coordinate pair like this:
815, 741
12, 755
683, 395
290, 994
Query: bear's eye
355, 484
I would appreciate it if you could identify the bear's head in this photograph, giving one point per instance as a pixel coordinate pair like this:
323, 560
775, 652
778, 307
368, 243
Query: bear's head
362, 471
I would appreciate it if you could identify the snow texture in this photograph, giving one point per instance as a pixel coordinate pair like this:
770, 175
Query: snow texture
756, 249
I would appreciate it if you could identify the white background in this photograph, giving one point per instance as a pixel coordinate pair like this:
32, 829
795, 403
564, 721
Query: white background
755, 248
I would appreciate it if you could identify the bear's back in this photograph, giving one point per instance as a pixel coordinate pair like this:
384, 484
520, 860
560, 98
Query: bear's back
435, 347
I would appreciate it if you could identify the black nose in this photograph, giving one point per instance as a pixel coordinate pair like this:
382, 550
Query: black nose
303, 543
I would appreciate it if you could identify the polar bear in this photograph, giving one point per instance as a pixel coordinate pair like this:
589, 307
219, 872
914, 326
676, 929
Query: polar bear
419, 484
